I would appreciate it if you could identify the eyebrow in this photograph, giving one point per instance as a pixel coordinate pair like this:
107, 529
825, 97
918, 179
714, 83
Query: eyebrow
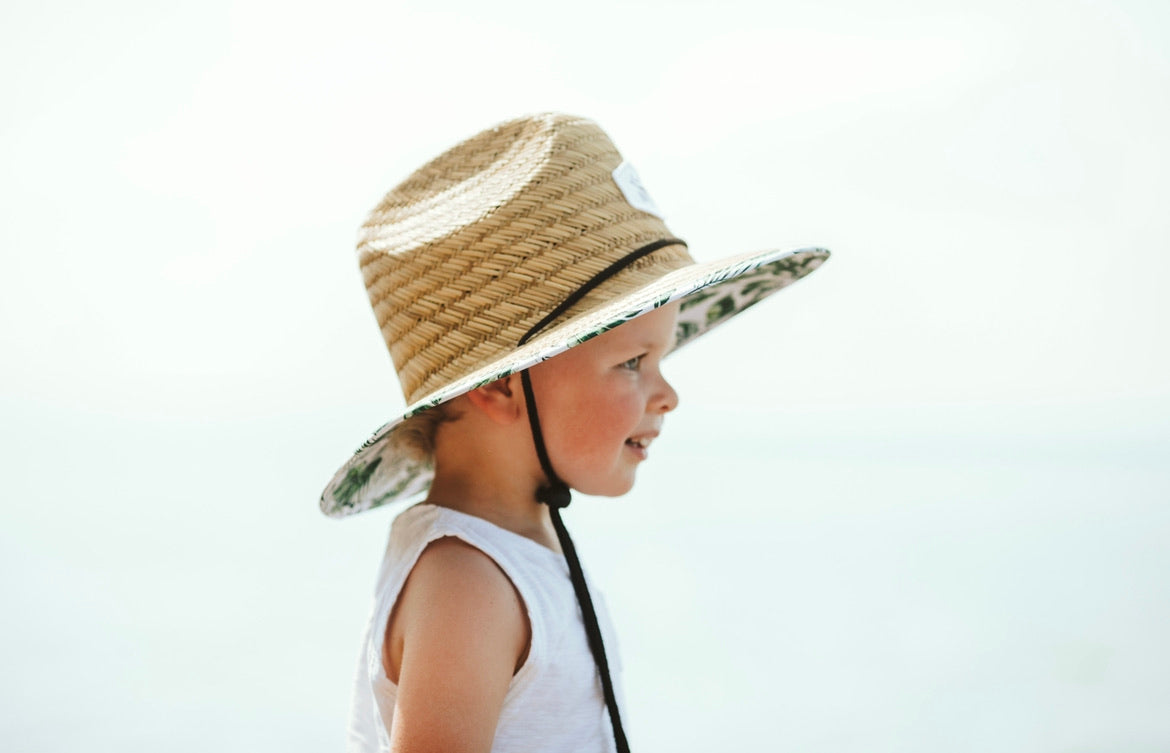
649, 345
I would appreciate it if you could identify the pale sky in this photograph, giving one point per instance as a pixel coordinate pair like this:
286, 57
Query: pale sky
956, 429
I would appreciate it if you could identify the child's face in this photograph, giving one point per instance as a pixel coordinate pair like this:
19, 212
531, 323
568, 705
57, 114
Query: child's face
601, 403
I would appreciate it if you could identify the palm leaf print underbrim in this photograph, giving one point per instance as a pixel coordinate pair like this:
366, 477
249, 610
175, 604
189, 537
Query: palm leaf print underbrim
382, 470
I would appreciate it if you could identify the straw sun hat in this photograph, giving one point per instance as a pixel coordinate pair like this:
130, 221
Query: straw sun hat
516, 245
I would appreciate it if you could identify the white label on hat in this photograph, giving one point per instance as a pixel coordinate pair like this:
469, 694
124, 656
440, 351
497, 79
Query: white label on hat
627, 179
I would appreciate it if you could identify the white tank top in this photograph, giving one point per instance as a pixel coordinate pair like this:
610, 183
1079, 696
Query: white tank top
554, 702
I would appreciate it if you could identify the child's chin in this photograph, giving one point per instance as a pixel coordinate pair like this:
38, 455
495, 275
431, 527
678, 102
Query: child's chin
607, 490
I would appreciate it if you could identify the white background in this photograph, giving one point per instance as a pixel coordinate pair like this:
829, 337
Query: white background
918, 502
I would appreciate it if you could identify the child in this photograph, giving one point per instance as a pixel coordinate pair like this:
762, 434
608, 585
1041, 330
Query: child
499, 274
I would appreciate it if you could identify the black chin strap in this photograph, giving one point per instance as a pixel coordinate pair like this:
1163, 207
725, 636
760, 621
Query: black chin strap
557, 496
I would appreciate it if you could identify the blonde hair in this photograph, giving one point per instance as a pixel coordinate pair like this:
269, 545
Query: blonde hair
417, 433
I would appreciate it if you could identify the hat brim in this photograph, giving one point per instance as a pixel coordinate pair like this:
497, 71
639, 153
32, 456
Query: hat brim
382, 471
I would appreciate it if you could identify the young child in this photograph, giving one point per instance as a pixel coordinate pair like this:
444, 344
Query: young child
528, 291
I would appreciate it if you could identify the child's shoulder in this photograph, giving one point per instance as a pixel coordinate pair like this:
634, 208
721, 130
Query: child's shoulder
514, 553
450, 566
457, 594
458, 632
456, 568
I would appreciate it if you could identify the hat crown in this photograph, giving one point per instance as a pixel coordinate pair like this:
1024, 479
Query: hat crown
462, 258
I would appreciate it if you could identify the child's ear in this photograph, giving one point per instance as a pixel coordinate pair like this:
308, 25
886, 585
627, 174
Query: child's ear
499, 400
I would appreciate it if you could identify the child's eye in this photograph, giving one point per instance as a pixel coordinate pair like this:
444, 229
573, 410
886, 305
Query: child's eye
633, 363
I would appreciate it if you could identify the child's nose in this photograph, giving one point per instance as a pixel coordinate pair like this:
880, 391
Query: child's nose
667, 397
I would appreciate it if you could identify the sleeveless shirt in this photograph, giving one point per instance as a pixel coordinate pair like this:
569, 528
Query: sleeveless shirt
554, 702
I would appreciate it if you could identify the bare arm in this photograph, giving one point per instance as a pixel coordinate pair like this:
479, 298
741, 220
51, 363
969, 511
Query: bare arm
456, 637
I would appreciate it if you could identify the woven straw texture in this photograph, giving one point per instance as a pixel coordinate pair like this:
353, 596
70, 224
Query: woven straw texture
468, 253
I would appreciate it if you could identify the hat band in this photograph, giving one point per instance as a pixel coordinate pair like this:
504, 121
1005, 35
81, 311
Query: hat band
596, 280
557, 495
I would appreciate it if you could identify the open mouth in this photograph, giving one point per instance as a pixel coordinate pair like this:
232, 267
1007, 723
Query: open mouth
639, 444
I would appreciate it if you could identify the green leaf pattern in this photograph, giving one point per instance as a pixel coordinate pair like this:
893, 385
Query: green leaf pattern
381, 471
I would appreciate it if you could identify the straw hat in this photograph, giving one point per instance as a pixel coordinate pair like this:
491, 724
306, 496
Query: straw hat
536, 219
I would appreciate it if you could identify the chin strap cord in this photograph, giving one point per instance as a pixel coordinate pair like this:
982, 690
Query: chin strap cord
557, 496
592, 630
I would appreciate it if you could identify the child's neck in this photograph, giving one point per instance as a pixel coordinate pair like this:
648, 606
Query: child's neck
487, 467
512, 509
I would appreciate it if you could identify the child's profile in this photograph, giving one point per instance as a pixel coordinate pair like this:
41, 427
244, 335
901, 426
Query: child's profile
529, 291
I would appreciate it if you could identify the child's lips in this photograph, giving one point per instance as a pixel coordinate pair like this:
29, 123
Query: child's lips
640, 444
